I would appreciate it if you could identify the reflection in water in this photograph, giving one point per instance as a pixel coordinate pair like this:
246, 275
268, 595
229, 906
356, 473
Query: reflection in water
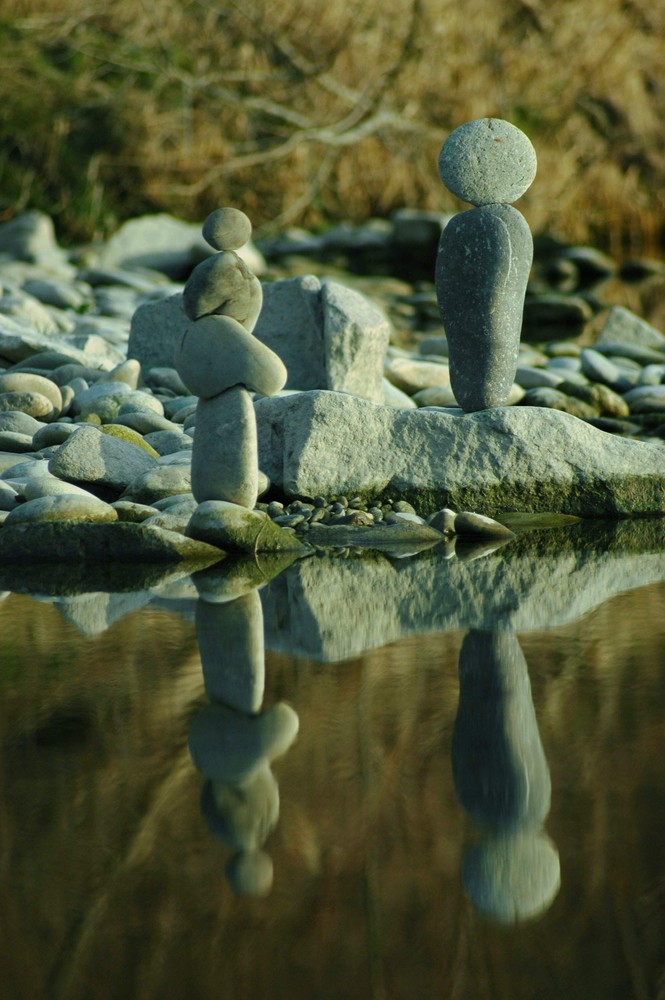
232, 741
502, 781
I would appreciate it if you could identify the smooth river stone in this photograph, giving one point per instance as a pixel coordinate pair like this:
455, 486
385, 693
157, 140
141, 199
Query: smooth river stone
482, 269
487, 160
102, 460
23, 382
227, 229
34, 404
63, 507
217, 352
51, 486
225, 458
224, 285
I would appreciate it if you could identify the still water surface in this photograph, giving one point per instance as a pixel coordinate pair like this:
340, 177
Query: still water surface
473, 805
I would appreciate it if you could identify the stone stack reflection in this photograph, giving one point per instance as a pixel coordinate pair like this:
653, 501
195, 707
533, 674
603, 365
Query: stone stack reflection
502, 781
232, 741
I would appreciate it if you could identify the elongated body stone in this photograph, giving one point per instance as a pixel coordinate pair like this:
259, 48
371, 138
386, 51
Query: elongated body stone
482, 269
225, 453
216, 352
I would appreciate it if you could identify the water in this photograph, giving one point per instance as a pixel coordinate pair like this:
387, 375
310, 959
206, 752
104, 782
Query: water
473, 805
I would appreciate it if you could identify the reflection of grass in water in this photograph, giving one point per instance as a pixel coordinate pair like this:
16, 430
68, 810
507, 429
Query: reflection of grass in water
11, 662
183, 106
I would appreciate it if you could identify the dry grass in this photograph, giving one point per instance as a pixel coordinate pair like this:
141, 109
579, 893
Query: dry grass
308, 111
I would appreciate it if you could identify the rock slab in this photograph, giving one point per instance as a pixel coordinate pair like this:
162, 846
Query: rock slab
506, 459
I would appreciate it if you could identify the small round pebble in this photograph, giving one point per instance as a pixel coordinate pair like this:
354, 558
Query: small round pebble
227, 229
487, 160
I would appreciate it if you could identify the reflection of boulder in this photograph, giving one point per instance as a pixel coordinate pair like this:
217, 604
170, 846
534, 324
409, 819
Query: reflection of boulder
499, 765
334, 609
512, 877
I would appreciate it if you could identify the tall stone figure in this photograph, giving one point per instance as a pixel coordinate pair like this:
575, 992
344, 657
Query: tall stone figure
484, 258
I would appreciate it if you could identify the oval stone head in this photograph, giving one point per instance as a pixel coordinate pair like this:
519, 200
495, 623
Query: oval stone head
227, 229
487, 161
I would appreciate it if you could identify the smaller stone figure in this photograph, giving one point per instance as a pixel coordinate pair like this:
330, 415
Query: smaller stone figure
221, 362
484, 258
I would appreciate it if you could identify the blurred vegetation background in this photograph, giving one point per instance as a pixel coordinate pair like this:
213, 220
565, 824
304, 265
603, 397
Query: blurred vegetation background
308, 112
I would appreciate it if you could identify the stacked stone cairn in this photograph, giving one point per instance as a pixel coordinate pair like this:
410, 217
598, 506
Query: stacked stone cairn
220, 361
484, 258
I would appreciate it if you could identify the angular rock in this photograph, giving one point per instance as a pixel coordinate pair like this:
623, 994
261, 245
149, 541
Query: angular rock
512, 458
155, 332
624, 327
328, 336
216, 352
100, 460
482, 269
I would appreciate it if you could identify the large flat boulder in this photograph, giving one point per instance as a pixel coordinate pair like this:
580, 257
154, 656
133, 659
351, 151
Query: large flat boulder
503, 459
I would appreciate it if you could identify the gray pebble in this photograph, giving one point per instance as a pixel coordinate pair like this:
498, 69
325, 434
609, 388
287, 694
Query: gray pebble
600, 369
487, 160
227, 229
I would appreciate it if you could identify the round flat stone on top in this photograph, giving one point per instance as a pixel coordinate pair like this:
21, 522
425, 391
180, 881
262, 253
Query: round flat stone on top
227, 229
487, 161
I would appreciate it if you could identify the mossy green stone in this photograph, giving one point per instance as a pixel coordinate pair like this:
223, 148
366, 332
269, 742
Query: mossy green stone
130, 436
